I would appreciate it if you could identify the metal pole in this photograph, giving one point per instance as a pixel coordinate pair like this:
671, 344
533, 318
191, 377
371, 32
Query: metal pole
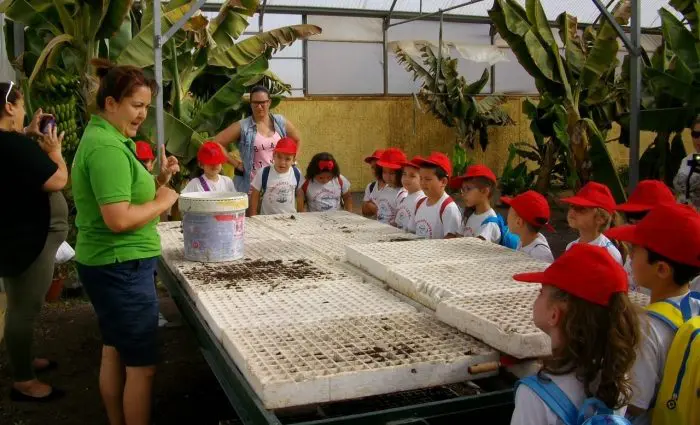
492, 33
385, 52
261, 15
158, 70
391, 9
439, 57
305, 59
439, 12
635, 93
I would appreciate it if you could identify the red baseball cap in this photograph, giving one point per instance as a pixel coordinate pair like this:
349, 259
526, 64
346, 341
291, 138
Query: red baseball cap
286, 145
474, 171
414, 162
437, 159
144, 151
531, 207
670, 230
647, 195
392, 158
211, 153
584, 271
593, 195
375, 156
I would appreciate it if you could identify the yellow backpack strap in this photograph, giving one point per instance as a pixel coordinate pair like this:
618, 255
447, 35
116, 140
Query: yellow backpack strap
668, 312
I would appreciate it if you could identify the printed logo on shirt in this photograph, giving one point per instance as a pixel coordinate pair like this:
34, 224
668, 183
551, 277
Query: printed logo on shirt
326, 199
469, 232
403, 215
383, 211
281, 193
424, 229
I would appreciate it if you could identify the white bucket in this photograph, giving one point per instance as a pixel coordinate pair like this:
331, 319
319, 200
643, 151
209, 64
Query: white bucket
213, 224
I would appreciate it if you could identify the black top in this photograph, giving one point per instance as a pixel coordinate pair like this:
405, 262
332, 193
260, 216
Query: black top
25, 211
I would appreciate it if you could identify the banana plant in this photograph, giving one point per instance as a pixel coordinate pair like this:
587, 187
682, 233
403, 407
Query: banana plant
208, 69
451, 99
579, 81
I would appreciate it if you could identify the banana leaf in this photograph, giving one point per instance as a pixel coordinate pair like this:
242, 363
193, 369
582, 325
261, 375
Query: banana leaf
248, 50
113, 21
689, 10
119, 41
53, 44
679, 39
231, 21
180, 139
603, 167
38, 14
603, 54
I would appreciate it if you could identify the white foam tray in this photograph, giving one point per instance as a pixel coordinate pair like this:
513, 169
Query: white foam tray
306, 224
502, 320
377, 258
342, 359
226, 309
333, 245
429, 284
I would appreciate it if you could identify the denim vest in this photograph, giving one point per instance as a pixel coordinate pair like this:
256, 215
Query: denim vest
246, 144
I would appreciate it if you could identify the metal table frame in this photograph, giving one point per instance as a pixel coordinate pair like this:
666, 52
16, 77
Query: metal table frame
250, 408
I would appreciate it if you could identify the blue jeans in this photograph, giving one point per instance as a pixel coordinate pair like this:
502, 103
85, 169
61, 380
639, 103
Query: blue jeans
125, 301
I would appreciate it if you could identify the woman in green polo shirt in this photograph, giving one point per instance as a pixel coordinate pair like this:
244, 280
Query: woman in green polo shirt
118, 206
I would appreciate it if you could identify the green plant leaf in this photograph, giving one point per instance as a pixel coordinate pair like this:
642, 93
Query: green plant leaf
113, 21
180, 139
38, 14
231, 22
53, 44
121, 39
603, 54
251, 48
678, 38
603, 167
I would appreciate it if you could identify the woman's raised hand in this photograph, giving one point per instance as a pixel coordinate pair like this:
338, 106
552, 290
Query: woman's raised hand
33, 128
168, 166
51, 141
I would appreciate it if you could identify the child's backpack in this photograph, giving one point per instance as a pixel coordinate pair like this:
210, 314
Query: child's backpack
266, 176
508, 238
444, 205
593, 411
678, 399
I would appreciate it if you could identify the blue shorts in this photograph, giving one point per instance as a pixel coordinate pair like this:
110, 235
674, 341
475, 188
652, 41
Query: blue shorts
124, 298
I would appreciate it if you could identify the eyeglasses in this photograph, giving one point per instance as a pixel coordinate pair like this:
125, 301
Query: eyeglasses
260, 102
695, 134
9, 90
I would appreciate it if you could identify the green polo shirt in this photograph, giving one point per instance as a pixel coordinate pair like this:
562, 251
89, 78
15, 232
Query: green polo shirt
106, 171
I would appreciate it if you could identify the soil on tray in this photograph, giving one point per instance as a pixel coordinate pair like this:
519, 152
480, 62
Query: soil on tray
258, 270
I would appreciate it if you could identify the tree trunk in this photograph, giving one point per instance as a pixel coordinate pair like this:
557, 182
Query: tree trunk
544, 175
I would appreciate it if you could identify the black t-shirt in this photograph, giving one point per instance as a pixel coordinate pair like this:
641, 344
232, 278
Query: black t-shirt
25, 212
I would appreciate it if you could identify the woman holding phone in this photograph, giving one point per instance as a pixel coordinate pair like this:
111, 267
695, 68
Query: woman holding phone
33, 224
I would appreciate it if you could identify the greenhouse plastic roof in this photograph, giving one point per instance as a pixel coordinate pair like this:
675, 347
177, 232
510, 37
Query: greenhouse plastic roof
584, 10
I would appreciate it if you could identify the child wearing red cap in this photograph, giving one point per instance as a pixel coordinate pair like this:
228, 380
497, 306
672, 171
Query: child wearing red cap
591, 213
325, 189
647, 195
528, 214
436, 216
388, 199
279, 184
665, 257
584, 308
369, 206
211, 157
478, 184
410, 180
144, 153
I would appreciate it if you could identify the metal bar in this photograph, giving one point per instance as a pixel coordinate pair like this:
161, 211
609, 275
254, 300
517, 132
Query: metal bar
242, 397
439, 57
607, 6
305, 63
385, 55
618, 29
260, 16
179, 24
391, 9
158, 71
439, 12
19, 41
492, 81
635, 93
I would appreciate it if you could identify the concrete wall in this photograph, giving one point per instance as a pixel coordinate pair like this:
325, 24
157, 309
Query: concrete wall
352, 127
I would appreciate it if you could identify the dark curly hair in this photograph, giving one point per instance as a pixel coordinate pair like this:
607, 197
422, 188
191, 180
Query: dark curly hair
314, 170
599, 344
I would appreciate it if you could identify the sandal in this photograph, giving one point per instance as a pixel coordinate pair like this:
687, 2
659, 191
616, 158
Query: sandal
18, 396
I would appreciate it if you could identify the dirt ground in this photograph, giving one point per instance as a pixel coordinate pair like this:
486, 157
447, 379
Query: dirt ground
186, 392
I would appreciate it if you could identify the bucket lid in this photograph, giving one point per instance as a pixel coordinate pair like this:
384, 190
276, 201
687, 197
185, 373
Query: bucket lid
213, 202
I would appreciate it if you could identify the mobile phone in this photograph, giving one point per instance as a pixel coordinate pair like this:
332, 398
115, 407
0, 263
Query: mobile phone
46, 124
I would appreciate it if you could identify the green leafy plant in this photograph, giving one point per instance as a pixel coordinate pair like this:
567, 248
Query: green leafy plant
515, 179
450, 98
579, 84
460, 160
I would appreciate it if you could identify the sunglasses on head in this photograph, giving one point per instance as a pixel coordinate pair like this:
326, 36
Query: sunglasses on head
695, 134
9, 90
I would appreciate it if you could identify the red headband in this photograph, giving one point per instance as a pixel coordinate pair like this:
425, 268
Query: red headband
326, 165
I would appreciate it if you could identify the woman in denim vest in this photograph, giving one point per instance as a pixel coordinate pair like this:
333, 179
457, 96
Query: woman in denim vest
256, 137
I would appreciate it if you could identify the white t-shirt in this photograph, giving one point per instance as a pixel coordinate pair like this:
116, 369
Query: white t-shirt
695, 284
326, 197
646, 374
224, 184
604, 242
474, 228
428, 223
280, 194
531, 410
680, 183
407, 208
538, 249
370, 195
387, 201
